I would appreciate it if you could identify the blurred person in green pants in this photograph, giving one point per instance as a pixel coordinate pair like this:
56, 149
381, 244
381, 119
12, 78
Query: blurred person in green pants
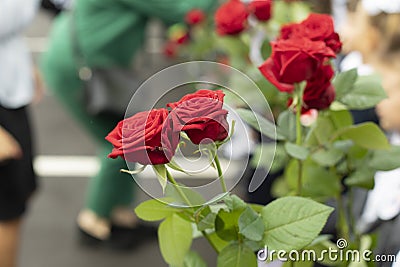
108, 33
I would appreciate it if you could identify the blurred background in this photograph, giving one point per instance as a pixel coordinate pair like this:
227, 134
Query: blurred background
65, 159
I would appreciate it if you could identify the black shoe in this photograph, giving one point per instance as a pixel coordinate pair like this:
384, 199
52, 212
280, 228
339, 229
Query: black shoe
124, 238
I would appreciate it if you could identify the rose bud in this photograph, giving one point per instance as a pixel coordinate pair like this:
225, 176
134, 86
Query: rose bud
308, 117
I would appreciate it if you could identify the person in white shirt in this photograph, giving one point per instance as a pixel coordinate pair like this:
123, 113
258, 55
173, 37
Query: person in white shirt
17, 90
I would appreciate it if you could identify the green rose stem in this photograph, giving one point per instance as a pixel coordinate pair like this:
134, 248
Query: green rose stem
299, 91
342, 225
220, 174
186, 199
178, 189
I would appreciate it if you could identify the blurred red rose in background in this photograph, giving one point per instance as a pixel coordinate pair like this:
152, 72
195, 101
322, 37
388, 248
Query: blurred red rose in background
195, 16
231, 17
261, 9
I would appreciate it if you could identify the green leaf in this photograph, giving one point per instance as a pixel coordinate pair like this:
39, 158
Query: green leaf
195, 198
297, 152
226, 224
259, 123
344, 82
175, 239
154, 210
219, 243
318, 182
343, 145
287, 124
320, 249
341, 118
208, 222
293, 222
251, 225
193, 259
237, 255
328, 157
367, 135
234, 203
386, 160
367, 92
321, 132
362, 177
336, 105
256, 207
161, 173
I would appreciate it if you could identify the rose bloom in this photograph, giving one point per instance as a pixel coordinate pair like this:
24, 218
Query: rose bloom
195, 16
294, 60
317, 27
146, 138
319, 92
231, 18
261, 9
201, 116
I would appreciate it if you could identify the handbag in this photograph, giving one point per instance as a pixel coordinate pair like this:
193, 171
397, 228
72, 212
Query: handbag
106, 90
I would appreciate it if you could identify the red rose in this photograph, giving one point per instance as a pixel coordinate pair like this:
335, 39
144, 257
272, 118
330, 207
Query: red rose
320, 27
271, 72
195, 16
201, 116
319, 92
147, 138
334, 42
317, 27
231, 17
292, 30
261, 9
294, 60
